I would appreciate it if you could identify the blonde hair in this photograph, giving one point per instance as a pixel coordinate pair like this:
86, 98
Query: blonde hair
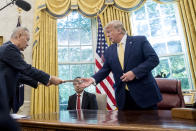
116, 24
18, 30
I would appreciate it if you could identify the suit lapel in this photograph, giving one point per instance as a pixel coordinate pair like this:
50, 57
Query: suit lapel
128, 50
115, 56
74, 101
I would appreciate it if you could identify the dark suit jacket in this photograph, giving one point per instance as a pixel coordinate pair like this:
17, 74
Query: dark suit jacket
6, 122
140, 58
24, 79
89, 101
18, 98
11, 64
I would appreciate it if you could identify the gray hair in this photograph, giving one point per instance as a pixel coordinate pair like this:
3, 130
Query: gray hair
116, 24
18, 30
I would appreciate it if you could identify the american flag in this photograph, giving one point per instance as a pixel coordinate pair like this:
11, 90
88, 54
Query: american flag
106, 86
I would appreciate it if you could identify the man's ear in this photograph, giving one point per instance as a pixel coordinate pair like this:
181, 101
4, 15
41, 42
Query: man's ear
18, 35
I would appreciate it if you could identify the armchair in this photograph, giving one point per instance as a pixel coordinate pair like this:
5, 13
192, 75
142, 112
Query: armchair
171, 93
101, 101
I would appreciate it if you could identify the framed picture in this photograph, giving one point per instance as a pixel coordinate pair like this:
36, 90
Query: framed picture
188, 98
1, 40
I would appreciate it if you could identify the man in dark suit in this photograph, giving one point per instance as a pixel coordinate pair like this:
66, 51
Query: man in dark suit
131, 59
12, 64
81, 99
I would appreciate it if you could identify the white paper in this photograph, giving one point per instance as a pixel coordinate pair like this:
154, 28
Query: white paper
17, 116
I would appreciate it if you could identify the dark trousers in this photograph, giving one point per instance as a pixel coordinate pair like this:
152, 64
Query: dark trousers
131, 105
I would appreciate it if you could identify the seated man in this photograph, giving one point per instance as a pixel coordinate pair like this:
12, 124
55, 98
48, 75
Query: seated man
81, 99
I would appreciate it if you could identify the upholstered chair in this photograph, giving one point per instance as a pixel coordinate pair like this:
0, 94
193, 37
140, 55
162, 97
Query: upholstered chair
101, 101
171, 93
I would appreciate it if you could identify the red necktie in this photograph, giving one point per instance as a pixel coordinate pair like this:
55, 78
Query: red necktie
78, 102
79, 115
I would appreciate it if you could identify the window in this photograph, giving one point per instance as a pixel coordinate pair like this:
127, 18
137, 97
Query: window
160, 23
75, 52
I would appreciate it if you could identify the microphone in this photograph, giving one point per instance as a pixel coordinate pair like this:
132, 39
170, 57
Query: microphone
23, 5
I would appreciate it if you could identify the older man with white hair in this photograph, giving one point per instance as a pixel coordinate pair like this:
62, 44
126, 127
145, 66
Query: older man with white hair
12, 64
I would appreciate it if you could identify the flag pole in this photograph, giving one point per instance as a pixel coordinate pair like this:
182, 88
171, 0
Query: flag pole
19, 23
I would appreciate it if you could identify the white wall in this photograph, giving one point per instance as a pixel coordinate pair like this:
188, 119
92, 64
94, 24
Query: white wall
8, 21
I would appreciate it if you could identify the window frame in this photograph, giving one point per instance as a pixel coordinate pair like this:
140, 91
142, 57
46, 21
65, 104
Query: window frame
181, 37
94, 43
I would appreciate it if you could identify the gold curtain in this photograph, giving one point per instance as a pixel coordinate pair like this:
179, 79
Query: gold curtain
128, 4
111, 13
1, 40
187, 9
45, 99
58, 8
89, 8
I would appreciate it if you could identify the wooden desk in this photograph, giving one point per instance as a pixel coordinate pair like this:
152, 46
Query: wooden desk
106, 120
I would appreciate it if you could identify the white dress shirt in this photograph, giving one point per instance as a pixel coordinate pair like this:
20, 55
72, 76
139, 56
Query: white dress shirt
123, 41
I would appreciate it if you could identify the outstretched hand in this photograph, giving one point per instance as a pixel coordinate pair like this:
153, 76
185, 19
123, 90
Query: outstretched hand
86, 82
54, 81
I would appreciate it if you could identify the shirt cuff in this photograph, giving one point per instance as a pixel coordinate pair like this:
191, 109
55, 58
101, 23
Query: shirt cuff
94, 83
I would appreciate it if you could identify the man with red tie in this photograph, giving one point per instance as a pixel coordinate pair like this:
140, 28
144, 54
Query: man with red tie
81, 99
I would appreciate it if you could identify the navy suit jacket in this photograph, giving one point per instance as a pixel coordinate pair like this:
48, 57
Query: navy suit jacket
11, 64
89, 101
140, 58
6, 122
18, 98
